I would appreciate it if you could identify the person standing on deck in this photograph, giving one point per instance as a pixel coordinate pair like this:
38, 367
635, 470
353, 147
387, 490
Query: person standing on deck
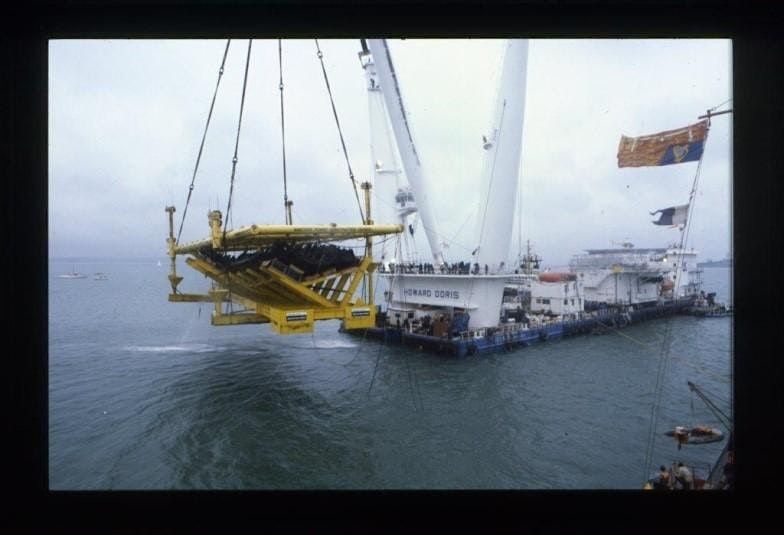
663, 481
684, 477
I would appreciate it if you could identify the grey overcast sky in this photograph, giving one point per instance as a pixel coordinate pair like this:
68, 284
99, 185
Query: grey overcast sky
126, 118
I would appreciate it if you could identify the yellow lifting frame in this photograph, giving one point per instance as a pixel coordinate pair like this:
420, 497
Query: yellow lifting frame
268, 294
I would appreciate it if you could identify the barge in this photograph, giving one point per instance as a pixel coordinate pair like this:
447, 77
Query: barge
509, 336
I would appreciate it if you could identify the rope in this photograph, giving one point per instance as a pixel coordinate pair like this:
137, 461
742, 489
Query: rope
492, 175
719, 105
418, 220
519, 220
726, 421
689, 215
657, 399
283, 135
416, 393
691, 403
714, 396
616, 330
699, 369
340, 132
203, 138
388, 299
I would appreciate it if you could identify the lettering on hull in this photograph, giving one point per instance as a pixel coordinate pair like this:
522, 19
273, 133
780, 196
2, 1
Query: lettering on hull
429, 292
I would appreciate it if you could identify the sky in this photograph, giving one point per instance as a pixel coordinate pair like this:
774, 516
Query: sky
126, 119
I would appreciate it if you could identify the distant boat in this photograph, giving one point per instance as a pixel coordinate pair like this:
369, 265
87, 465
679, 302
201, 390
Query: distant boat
700, 434
72, 275
727, 262
100, 277
159, 263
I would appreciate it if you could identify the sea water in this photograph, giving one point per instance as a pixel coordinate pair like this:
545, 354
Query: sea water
146, 394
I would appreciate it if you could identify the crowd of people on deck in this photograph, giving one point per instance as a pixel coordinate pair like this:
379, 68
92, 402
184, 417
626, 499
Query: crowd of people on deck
455, 268
679, 478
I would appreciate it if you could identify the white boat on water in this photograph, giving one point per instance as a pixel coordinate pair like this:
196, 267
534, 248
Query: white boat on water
100, 277
72, 275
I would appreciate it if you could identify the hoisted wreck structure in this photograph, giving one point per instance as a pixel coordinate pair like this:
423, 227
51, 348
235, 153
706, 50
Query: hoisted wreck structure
287, 275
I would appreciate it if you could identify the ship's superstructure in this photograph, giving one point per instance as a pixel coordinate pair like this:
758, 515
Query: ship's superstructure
542, 292
633, 276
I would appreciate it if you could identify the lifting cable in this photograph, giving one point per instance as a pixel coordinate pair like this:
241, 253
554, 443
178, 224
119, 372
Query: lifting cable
283, 137
340, 133
203, 138
234, 166
236, 145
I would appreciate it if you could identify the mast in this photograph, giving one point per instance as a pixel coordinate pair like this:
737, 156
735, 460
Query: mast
412, 164
692, 197
503, 148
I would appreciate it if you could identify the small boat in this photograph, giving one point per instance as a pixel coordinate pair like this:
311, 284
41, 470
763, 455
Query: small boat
715, 311
72, 275
700, 434
552, 276
706, 306
100, 277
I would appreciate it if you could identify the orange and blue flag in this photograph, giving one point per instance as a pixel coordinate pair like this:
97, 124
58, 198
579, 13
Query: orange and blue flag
665, 148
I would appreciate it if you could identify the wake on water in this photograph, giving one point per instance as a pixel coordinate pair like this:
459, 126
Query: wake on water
192, 348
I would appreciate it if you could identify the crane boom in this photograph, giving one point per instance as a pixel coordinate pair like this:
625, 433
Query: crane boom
412, 163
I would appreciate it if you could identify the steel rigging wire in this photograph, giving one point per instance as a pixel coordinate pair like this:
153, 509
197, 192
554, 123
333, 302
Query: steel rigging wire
203, 138
340, 132
286, 207
234, 168
236, 144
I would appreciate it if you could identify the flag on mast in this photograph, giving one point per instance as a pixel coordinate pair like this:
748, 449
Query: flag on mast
673, 146
673, 216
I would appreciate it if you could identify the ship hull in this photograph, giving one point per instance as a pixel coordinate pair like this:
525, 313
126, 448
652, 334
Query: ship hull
600, 322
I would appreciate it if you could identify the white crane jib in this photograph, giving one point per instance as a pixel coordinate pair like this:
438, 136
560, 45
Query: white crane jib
412, 164
501, 168
388, 184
